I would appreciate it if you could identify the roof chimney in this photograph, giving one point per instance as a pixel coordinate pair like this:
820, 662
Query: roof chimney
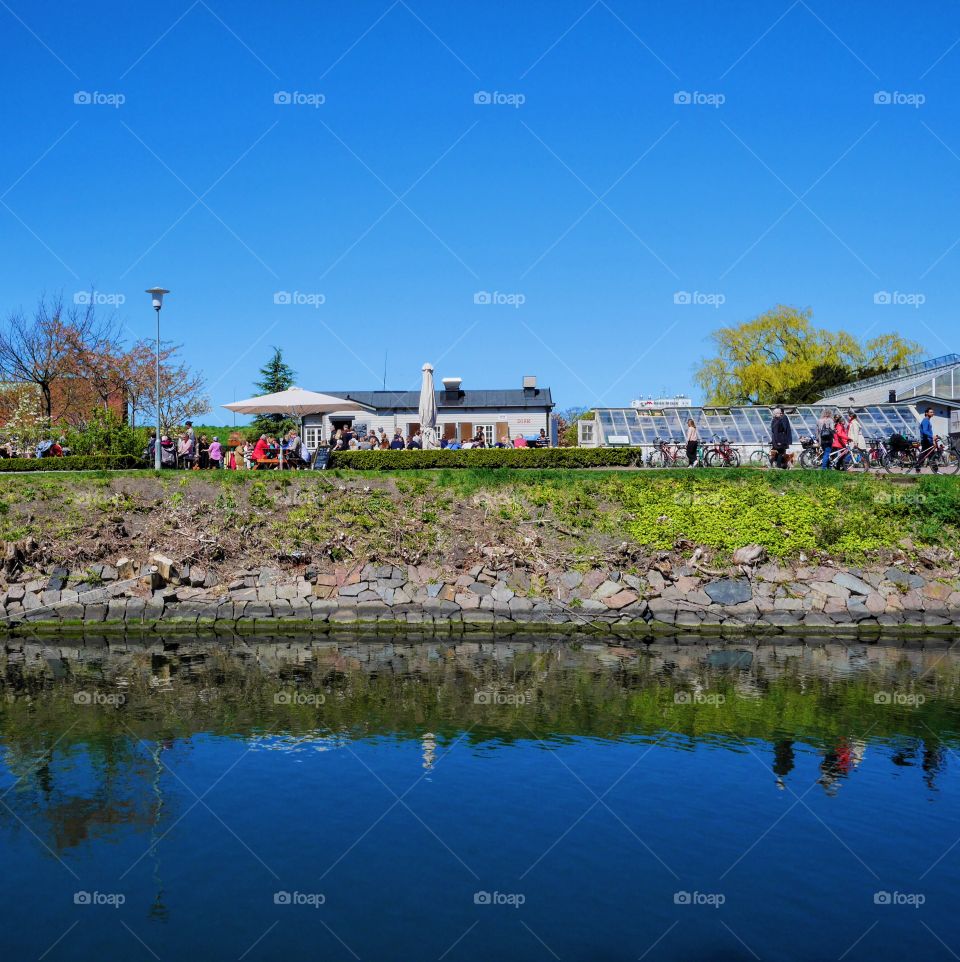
452, 385
529, 385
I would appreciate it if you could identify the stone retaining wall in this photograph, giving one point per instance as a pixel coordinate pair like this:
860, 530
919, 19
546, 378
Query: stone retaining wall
664, 599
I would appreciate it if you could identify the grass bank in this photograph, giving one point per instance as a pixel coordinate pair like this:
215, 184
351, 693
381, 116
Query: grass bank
557, 517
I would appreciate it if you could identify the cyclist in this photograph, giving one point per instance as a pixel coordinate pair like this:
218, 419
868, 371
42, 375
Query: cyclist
926, 438
781, 436
825, 434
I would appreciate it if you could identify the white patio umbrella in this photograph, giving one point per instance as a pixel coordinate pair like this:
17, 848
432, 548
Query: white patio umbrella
296, 402
428, 410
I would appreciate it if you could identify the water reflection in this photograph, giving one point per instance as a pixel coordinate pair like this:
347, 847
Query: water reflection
303, 742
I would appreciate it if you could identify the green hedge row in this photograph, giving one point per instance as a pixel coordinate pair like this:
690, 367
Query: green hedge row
486, 458
77, 462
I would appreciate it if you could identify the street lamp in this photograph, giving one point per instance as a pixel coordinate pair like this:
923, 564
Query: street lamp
156, 293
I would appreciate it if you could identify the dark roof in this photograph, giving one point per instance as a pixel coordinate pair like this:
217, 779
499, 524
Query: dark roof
410, 400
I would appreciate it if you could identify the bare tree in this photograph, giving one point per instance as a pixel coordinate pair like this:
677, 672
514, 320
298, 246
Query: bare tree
182, 394
38, 349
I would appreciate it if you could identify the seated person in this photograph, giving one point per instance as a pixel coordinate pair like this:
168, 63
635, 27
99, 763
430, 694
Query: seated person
259, 449
415, 442
520, 441
397, 443
365, 444
454, 445
444, 442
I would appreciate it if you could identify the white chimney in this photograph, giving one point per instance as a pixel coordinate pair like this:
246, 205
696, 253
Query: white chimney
452, 384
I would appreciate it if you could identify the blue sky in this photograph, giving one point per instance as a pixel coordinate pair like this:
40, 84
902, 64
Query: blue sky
584, 200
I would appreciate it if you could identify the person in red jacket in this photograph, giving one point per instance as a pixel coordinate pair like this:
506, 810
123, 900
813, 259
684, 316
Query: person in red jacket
260, 449
840, 438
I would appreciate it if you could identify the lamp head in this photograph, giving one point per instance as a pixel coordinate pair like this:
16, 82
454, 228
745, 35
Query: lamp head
157, 294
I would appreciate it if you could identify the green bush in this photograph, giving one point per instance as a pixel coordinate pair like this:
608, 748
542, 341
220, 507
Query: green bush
486, 458
82, 462
105, 434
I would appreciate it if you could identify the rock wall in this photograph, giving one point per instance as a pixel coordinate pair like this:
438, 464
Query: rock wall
909, 598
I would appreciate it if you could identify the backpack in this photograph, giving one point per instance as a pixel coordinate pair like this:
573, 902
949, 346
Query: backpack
826, 435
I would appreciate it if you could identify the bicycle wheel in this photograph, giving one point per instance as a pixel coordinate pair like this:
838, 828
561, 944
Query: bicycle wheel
760, 458
656, 459
951, 461
810, 459
733, 458
858, 461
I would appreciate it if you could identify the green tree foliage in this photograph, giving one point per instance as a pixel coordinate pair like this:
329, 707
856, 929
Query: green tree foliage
275, 376
780, 356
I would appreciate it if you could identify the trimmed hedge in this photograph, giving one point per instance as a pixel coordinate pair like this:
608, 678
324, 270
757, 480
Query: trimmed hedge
512, 458
76, 462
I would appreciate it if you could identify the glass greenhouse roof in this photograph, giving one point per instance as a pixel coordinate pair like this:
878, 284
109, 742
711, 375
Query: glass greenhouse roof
742, 425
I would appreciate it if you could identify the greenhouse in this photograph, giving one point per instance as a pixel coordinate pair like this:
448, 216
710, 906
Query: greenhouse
743, 426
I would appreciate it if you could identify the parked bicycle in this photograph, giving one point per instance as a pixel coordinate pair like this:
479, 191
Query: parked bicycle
667, 453
721, 454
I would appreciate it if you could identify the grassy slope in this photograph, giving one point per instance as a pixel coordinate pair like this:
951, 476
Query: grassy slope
552, 517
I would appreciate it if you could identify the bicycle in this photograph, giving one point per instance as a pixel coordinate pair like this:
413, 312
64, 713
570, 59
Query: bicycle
665, 453
760, 457
937, 456
722, 455
812, 454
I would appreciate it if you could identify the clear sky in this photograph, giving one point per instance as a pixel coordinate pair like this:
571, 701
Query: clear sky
581, 201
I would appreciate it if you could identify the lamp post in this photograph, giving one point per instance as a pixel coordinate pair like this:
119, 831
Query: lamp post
156, 293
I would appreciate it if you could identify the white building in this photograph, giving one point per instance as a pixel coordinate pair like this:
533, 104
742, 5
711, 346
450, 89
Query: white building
501, 414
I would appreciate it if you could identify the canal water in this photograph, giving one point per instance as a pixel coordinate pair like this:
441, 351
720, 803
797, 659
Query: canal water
262, 799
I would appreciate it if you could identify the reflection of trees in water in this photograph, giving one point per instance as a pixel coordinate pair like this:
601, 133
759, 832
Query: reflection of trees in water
90, 771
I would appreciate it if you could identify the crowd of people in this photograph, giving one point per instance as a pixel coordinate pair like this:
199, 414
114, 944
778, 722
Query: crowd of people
189, 452
344, 439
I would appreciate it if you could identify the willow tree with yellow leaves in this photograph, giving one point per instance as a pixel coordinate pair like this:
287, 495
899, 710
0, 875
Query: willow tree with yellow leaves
780, 356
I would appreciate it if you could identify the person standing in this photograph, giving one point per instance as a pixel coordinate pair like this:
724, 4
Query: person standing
926, 438
825, 437
840, 439
215, 453
693, 442
781, 436
855, 432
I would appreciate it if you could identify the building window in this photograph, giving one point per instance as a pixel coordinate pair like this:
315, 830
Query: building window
311, 437
586, 432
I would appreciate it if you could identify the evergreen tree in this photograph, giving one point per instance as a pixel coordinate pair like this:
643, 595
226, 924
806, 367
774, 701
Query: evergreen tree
275, 376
